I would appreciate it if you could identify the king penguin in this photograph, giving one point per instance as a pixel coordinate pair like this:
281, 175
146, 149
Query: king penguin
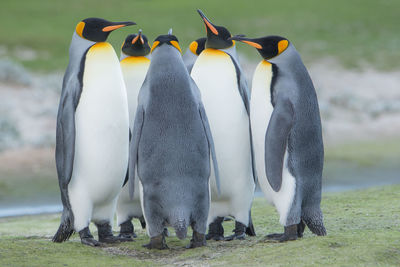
287, 134
171, 146
226, 99
134, 65
194, 50
92, 135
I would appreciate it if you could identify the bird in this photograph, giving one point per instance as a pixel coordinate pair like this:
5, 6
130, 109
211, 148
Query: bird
225, 95
287, 133
92, 134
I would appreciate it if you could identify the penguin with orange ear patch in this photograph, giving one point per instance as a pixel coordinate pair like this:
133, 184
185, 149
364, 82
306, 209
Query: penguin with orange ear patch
286, 128
226, 97
194, 50
92, 136
134, 65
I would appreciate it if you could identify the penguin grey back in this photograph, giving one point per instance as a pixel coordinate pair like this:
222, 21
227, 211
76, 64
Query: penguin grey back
293, 82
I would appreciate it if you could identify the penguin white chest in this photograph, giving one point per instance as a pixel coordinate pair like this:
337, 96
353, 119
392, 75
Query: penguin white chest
134, 70
215, 75
260, 113
102, 130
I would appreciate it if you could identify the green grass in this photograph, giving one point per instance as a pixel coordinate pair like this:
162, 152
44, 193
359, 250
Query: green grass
356, 32
363, 230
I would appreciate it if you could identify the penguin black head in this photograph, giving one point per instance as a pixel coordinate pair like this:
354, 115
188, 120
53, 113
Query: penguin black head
168, 39
268, 46
97, 30
136, 45
218, 37
198, 46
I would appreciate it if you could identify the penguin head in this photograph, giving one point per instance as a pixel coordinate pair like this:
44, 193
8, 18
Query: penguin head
218, 37
197, 46
268, 46
97, 30
167, 39
136, 45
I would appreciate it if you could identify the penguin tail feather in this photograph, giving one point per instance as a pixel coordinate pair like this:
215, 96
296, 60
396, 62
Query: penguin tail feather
250, 231
315, 222
180, 229
66, 229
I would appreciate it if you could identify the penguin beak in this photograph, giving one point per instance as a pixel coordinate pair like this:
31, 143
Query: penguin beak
139, 36
117, 25
245, 40
207, 22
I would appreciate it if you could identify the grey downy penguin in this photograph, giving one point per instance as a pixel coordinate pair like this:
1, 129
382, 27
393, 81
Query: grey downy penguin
287, 133
193, 51
134, 62
171, 147
226, 99
92, 135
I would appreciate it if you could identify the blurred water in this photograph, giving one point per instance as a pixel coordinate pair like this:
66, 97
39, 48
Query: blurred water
338, 177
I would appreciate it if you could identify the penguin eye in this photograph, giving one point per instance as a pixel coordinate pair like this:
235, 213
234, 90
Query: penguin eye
282, 45
176, 45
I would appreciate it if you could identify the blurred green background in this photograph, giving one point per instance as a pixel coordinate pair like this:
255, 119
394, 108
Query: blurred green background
356, 31
360, 37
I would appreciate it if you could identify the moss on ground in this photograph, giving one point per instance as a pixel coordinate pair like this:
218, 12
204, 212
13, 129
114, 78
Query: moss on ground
363, 230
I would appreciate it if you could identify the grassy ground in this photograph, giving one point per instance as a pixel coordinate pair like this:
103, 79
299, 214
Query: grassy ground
355, 32
363, 230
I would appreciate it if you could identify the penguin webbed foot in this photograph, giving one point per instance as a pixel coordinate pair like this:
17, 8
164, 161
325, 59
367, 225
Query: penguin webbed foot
290, 234
127, 231
216, 230
239, 232
87, 238
157, 242
106, 235
198, 240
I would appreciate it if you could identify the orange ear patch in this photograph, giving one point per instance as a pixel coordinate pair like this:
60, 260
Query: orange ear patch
154, 46
282, 45
79, 28
176, 45
113, 27
253, 44
193, 47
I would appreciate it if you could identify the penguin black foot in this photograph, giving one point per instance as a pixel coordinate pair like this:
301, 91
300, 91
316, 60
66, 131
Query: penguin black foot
216, 230
289, 234
127, 230
157, 242
198, 240
239, 232
106, 235
166, 232
87, 238
300, 228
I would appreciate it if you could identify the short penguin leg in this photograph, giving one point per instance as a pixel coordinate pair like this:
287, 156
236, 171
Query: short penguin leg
216, 230
106, 235
127, 230
87, 238
289, 234
300, 228
239, 232
198, 240
157, 242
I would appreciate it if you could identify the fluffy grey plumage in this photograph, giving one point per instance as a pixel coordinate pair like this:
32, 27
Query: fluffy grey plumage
171, 147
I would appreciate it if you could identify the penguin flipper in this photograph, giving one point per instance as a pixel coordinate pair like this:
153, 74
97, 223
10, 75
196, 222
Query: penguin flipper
210, 140
276, 139
245, 94
127, 169
134, 147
